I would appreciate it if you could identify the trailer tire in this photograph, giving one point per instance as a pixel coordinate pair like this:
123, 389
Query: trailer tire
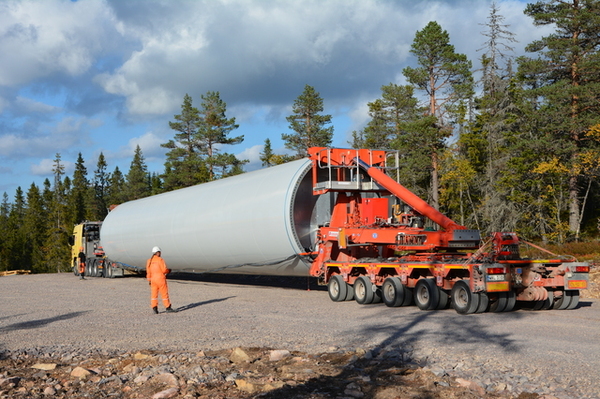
426, 294
349, 292
393, 292
408, 297
511, 301
464, 300
574, 299
544, 304
107, 269
444, 300
484, 303
94, 272
337, 288
363, 290
498, 303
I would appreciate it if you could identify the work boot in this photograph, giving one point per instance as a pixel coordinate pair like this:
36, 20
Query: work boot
81, 277
155, 309
171, 310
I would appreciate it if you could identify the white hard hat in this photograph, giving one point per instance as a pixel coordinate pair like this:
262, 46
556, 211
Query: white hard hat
155, 250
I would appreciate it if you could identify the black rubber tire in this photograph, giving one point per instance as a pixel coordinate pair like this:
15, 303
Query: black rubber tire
107, 269
426, 294
393, 292
547, 304
94, 268
498, 304
337, 288
408, 297
463, 300
561, 302
511, 301
444, 299
76, 268
363, 290
484, 303
574, 294
349, 292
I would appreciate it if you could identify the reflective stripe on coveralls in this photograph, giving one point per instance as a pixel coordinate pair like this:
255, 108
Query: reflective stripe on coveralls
156, 273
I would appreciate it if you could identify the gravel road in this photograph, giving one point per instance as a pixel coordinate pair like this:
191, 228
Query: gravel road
553, 352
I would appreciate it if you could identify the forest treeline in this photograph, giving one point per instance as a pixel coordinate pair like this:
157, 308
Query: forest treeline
517, 149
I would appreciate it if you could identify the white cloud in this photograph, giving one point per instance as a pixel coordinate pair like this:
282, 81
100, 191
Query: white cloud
45, 166
39, 38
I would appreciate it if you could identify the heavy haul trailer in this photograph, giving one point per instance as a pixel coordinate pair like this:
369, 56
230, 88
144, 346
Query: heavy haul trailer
371, 254
86, 238
338, 216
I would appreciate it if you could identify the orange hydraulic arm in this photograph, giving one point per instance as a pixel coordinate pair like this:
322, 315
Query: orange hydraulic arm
409, 198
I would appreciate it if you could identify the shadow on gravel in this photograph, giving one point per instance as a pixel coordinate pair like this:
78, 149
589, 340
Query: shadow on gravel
398, 336
299, 283
27, 325
195, 305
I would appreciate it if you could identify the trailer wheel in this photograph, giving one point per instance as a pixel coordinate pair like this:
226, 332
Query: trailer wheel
544, 304
76, 268
393, 292
107, 269
484, 303
574, 299
349, 292
463, 300
444, 299
337, 288
498, 303
408, 296
426, 294
94, 271
511, 301
363, 290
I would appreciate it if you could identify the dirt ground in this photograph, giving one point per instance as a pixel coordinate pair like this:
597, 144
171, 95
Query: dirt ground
238, 373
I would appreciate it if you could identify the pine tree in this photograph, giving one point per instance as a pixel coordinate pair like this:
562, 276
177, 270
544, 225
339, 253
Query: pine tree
100, 183
184, 166
308, 124
564, 83
213, 132
445, 77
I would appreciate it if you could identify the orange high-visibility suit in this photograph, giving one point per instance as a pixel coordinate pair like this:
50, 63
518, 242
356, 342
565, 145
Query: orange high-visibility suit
156, 273
81, 257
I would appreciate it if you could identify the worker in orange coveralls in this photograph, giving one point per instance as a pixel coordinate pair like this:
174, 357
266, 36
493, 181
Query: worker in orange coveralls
81, 258
156, 273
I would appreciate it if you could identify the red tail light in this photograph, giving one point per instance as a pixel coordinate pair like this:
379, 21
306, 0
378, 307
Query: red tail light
496, 270
582, 269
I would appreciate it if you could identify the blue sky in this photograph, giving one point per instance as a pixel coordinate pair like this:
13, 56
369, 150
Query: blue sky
95, 76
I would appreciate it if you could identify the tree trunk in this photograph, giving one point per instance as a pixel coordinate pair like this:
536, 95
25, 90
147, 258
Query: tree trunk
435, 195
573, 206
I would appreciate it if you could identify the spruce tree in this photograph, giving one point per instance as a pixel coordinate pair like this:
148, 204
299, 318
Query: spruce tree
100, 184
138, 185
79, 195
